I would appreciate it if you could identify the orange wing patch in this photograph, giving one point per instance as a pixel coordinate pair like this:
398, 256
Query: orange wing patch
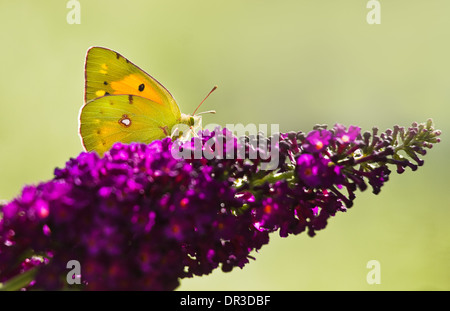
134, 84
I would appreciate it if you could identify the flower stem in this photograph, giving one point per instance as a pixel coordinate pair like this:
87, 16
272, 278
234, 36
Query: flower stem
20, 281
273, 177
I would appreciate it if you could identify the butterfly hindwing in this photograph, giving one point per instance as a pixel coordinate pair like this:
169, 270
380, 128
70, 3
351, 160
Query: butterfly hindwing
124, 118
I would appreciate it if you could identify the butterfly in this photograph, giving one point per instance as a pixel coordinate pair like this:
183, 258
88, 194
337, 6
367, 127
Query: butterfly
125, 104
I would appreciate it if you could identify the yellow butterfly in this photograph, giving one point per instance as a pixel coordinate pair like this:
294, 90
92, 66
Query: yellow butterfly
124, 103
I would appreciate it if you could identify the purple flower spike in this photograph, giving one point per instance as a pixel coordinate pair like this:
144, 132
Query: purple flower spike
145, 216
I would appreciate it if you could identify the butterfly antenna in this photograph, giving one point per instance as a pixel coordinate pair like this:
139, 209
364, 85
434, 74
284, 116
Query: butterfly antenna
204, 112
213, 89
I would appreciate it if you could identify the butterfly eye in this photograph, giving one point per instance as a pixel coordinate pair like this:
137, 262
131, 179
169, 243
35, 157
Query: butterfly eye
191, 121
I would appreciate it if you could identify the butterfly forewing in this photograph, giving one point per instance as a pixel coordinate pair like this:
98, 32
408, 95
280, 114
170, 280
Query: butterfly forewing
109, 73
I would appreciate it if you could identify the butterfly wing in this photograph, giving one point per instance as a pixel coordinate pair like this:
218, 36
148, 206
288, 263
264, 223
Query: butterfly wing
109, 73
125, 118
123, 103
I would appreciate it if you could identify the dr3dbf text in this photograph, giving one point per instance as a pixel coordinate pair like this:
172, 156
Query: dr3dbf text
241, 300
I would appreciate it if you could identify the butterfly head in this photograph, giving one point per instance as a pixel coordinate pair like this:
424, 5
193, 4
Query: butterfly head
187, 128
190, 125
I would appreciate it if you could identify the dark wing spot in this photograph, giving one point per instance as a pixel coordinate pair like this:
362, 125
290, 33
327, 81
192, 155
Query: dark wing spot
106, 93
141, 87
117, 55
130, 99
105, 83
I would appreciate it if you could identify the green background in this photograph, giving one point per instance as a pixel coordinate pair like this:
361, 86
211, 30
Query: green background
292, 63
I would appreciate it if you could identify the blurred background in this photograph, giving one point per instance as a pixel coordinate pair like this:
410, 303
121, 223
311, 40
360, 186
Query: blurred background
293, 63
